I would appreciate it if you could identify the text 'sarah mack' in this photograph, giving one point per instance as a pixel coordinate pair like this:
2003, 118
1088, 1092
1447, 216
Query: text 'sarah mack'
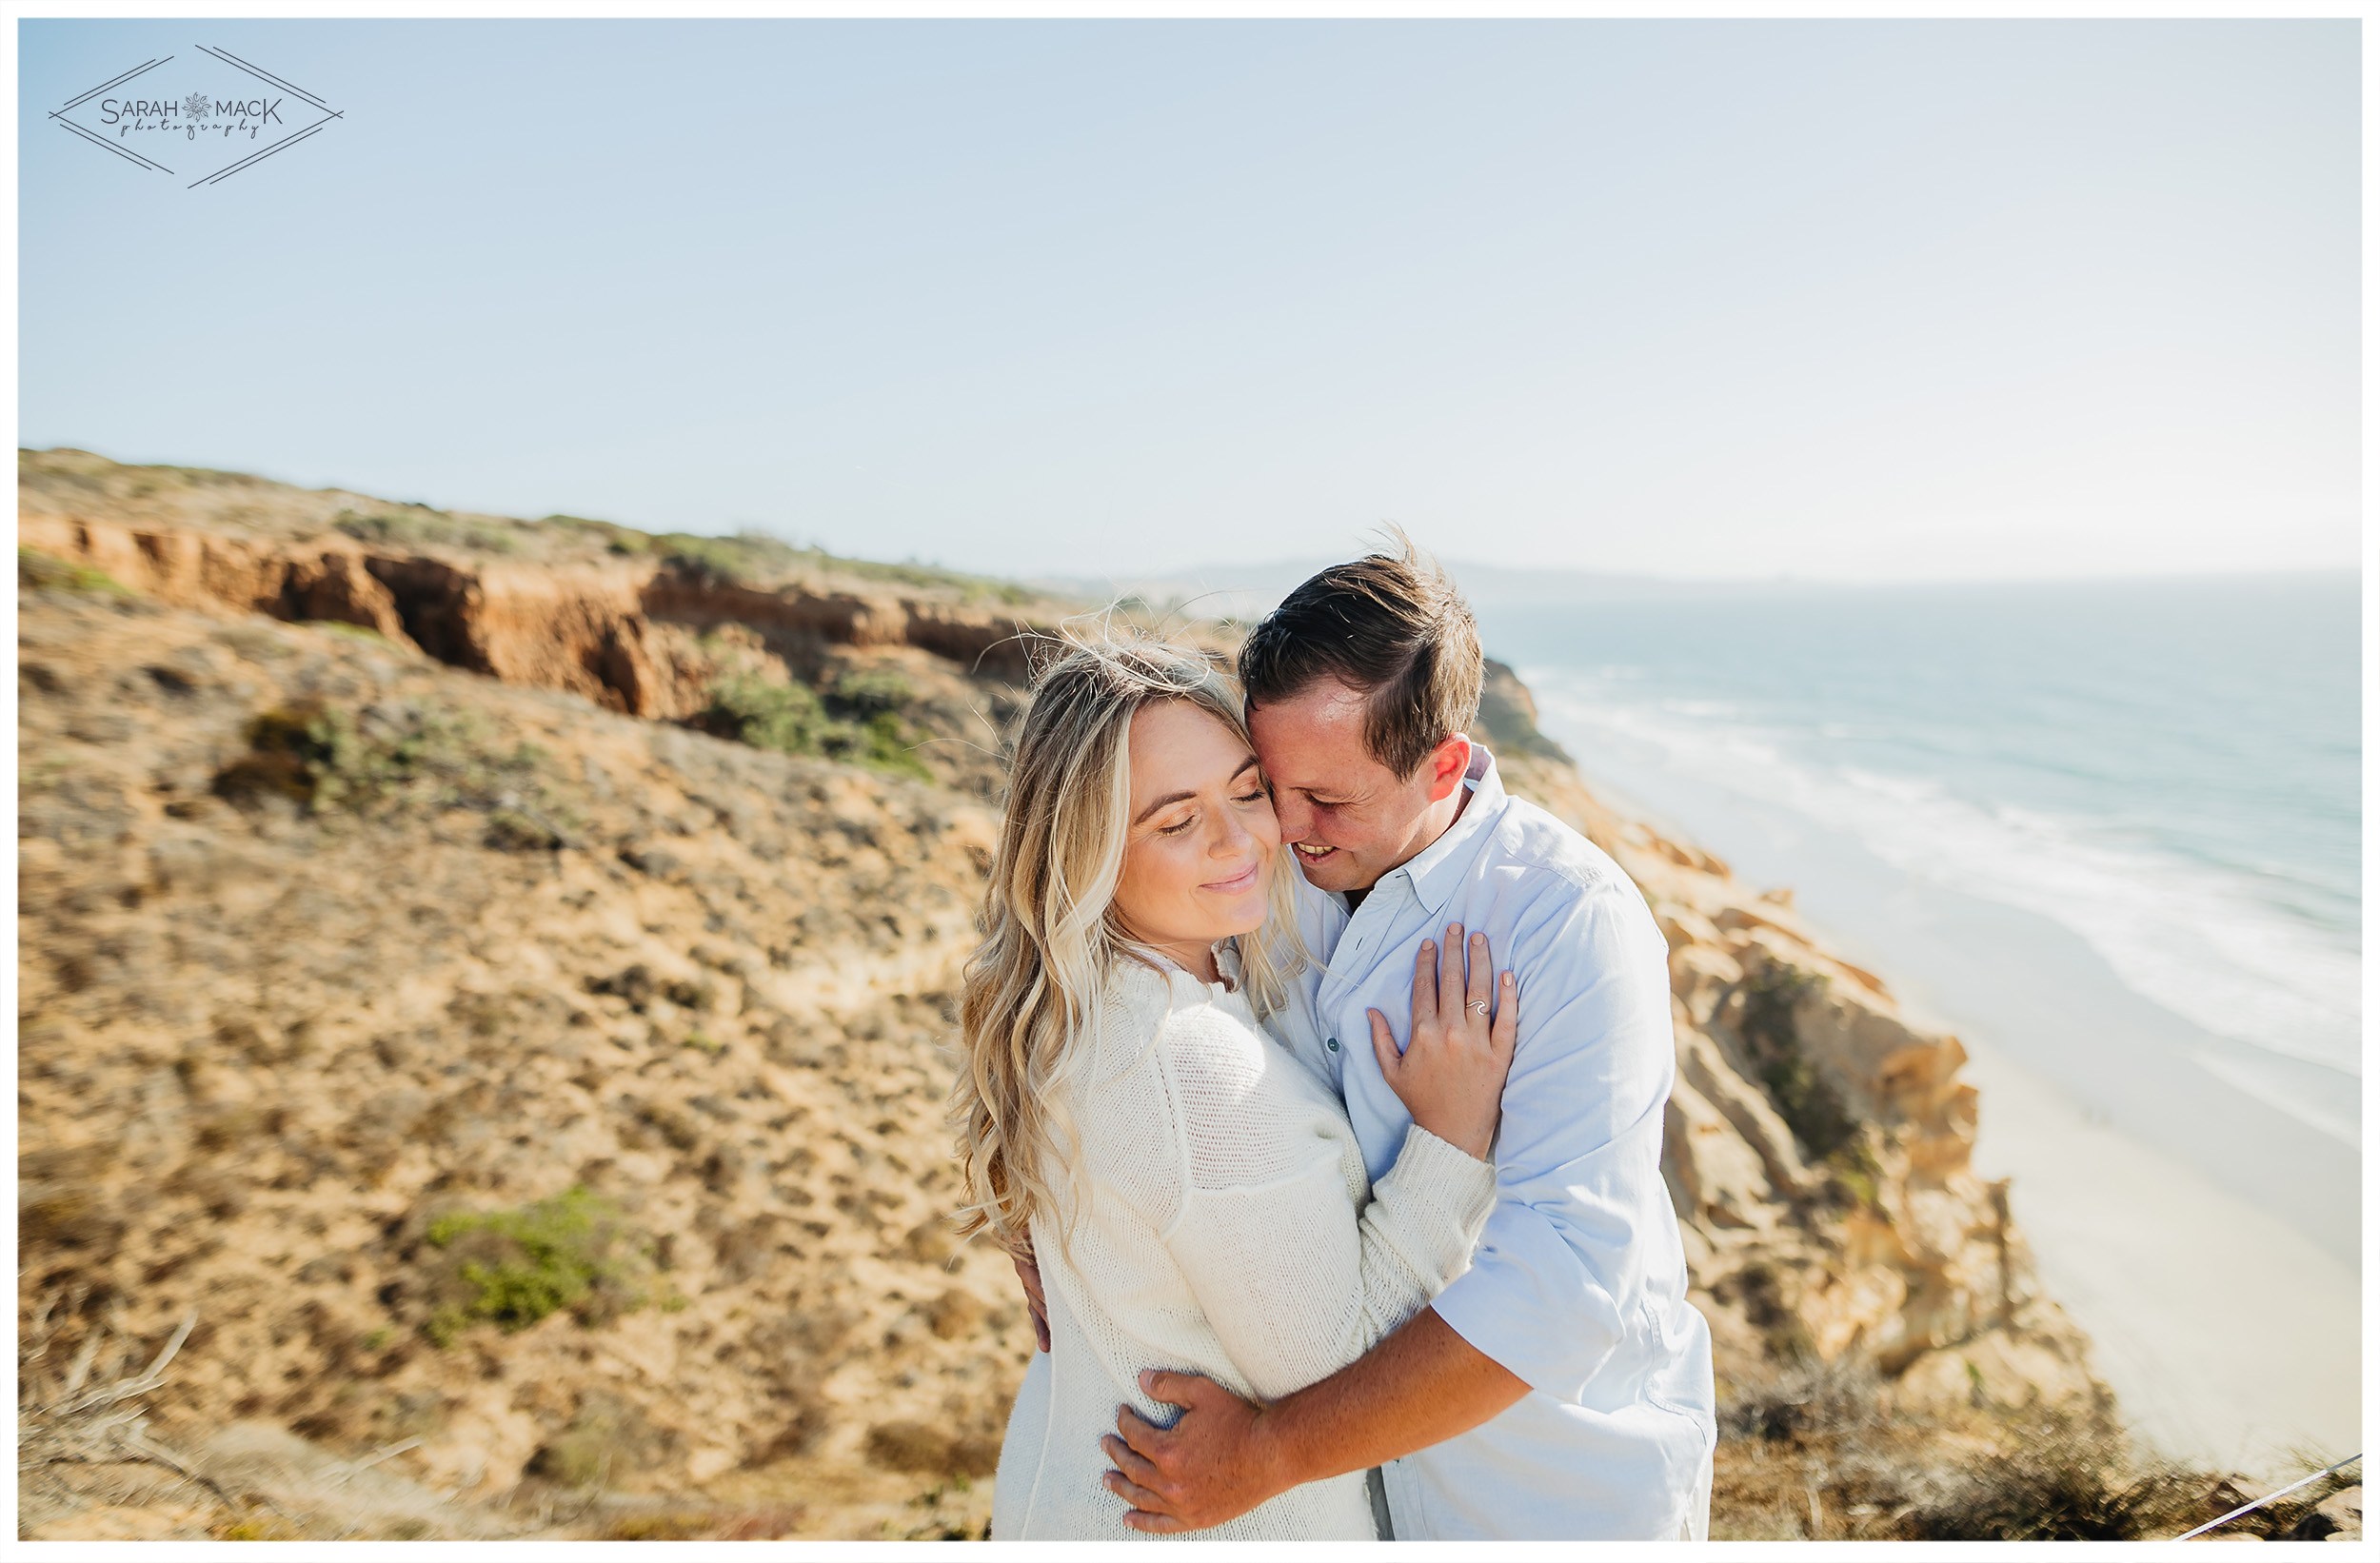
191, 114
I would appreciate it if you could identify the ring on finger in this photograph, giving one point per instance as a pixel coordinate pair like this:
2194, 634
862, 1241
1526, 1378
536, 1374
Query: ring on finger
1479, 1004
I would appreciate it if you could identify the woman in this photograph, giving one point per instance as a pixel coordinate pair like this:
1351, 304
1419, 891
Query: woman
1194, 1196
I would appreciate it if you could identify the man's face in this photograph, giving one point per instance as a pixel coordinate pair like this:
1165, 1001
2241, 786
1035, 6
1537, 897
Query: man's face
1348, 818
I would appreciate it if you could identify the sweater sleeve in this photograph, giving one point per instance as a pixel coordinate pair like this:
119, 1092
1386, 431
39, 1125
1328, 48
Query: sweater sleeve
1295, 1280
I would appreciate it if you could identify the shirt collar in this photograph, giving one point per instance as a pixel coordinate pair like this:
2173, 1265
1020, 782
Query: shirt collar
1433, 871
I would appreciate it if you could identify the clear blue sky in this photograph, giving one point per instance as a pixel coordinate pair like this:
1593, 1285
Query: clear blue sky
1850, 300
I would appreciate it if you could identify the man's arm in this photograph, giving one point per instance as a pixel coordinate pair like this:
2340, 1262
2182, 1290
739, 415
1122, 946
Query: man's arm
1422, 1385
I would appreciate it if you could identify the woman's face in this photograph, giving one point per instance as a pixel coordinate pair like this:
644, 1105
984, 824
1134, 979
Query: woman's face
1200, 852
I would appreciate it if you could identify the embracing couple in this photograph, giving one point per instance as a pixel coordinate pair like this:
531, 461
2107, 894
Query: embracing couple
1337, 1191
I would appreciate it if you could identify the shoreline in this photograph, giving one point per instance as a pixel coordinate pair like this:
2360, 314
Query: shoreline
2199, 1382
2140, 1180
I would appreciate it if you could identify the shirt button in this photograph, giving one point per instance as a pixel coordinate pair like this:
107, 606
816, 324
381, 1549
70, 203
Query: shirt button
1331, 1042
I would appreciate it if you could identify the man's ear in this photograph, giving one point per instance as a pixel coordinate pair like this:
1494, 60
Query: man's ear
1447, 764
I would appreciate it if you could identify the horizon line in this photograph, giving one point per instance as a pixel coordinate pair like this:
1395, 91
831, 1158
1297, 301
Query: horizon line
1031, 576
1616, 577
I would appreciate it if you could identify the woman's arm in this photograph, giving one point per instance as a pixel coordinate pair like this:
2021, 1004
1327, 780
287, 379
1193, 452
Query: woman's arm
1293, 1288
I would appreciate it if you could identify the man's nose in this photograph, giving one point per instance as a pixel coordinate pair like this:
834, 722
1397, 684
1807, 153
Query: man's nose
1294, 816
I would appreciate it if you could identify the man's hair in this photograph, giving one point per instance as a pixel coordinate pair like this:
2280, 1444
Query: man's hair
1390, 627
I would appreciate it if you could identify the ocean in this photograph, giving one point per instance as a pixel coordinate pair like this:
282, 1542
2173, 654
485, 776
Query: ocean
2168, 768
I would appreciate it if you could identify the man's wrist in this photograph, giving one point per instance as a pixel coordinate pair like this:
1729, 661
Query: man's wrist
1273, 1443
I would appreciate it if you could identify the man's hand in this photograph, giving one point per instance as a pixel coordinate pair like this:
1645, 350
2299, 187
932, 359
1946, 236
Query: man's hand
1212, 1465
1030, 1274
1421, 1386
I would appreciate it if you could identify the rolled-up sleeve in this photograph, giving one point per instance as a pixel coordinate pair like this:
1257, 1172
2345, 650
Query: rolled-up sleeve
1560, 1272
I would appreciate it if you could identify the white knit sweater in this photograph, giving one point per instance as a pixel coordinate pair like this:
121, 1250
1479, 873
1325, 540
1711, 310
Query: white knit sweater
1225, 1227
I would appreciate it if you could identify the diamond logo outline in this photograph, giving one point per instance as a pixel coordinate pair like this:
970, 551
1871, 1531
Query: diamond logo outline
59, 117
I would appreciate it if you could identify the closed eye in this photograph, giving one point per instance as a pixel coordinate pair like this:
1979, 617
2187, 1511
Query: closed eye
1178, 829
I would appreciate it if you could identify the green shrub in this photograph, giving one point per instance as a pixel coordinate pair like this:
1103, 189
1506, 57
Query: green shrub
626, 541
866, 691
768, 715
324, 758
1808, 1105
1784, 1334
746, 559
1854, 1174
971, 589
752, 558
43, 572
512, 1268
883, 744
418, 526
792, 719
303, 753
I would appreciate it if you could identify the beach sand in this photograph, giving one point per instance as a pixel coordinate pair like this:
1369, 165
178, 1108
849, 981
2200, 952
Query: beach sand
2206, 1240
2229, 1336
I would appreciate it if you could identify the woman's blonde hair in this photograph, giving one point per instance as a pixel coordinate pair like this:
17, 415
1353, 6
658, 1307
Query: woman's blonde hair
1051, 936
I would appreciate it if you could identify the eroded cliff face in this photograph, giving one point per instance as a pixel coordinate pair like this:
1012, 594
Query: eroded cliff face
1818, 1146
349, 961
622, 634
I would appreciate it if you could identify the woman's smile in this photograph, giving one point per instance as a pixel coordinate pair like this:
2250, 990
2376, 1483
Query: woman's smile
1244, 880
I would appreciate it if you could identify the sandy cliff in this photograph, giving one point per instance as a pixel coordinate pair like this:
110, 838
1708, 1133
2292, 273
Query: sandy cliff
269, 1041
530, 1098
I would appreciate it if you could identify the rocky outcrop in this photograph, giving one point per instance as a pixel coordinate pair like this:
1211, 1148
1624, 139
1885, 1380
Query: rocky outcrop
996, 645
613, 632
1818, 1146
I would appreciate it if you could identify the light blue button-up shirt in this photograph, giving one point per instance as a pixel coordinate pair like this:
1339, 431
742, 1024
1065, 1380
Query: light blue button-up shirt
1578, 1286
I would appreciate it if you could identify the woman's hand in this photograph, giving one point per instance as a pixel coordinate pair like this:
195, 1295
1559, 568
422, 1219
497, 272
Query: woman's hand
1451, 1074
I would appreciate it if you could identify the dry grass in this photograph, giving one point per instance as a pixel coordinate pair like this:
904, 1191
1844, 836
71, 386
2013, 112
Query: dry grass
83, 1433
1820, 1455
269, 1043
72, 1414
